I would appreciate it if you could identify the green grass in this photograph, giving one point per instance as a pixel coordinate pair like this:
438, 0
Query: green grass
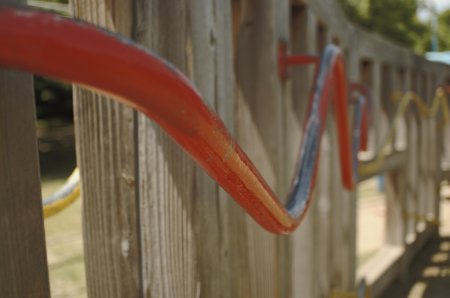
65, 248
63, 230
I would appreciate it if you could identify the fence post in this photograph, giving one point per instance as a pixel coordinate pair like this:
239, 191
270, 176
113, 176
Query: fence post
303, 40
23, 260
106, 149
260, 97
156, 225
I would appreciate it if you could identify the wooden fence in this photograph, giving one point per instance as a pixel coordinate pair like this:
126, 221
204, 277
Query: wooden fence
155, 225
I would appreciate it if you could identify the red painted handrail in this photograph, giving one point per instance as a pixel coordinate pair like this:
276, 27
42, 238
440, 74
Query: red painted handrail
71, 51
286, 60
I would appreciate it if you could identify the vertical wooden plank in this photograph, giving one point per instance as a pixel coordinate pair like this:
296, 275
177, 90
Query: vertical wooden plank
167, 178
432, 129
386, 110
439, 135
185, 226
338, 210
303, 40
376, 105
435, 134
344, 209
259, 130
284, 252
412, 174
23, 260
446, 146
323, 209
233, 215
322, 224
411, 163
415, 155
427, 160
395, 207
432, 199
422, 158
400, 126
210, 232
324, 194
395, 182
106, 155
238, 242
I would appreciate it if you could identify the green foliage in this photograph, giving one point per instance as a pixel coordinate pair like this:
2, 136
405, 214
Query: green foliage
444, 31
397, 20
356, 11
394, 19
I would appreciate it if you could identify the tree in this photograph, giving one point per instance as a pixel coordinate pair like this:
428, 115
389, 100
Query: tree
444, 30
394, 19
397, 20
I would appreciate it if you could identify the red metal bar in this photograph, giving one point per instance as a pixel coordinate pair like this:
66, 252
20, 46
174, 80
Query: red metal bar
343, 131
60, 48
361, 88
285, 60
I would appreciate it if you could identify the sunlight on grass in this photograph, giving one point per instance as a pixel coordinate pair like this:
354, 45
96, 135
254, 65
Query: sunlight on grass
65, 249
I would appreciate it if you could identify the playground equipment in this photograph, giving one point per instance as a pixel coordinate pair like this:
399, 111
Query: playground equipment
224, 161
174, 103
69, 192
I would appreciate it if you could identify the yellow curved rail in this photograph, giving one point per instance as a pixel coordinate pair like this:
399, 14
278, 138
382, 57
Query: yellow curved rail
64, 197
439, 100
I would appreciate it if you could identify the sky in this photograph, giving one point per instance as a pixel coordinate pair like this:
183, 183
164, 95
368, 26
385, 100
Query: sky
440, 5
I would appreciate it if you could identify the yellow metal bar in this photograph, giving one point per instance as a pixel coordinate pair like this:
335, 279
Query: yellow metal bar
408, 98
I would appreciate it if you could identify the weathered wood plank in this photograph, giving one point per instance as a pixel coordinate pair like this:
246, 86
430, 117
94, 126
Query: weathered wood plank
23, 260
322, 222
225, 105
183, 213
106, 155
259, 126
414, 158
376, 105
303, 40
412, 167
323, 219
167, 179
343, 206
285, 251
395, 206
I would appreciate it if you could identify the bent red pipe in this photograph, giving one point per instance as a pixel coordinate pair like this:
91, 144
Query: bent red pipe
60, 48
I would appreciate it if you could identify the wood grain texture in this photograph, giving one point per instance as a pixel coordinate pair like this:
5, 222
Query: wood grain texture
284, 244
259, 126
23, 260
395, 181
105, 134
395, 207
156, 225
303, 40
322, 222
376, 112
323, 219
185, 226
344, 206
412, 172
